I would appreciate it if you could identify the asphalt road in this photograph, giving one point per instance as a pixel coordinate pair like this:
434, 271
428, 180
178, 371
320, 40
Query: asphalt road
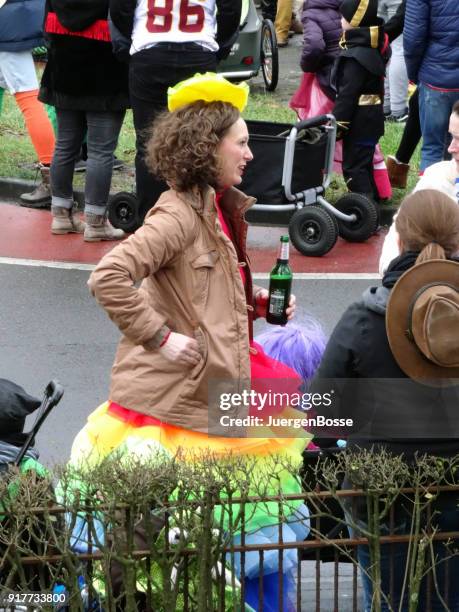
50, 327
289, 72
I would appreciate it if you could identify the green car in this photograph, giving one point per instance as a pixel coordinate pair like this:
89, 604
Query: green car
255, 48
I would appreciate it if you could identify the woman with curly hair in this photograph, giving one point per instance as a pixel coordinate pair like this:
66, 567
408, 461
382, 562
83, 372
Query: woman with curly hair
190, 322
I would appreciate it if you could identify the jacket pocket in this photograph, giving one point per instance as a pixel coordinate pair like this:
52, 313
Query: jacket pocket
202, 266
202, 342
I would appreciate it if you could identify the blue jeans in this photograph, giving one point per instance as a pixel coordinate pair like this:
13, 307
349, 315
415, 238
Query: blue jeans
434, 112
395, 555
102, 129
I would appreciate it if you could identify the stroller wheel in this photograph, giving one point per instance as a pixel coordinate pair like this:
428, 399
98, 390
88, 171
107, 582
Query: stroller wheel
269, 55
123, 211
313, 231
365, 211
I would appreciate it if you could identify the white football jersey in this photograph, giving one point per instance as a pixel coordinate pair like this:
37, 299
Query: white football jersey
177, 21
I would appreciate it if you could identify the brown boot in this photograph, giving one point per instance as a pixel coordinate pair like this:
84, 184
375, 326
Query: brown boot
64, 222
397, 171
40, 197
99, 228
296, 26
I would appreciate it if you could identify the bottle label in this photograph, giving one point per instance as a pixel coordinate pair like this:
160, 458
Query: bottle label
284, 251
277, 302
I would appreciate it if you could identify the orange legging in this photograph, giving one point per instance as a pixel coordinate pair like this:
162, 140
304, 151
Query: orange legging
37, 123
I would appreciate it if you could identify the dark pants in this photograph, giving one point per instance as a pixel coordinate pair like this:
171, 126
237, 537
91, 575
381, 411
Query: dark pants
393, 561
395, 556
102, 129
412, 132
269, 9
151, 73
358, 167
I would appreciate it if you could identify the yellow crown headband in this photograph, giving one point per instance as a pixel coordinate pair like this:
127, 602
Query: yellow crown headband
209, 87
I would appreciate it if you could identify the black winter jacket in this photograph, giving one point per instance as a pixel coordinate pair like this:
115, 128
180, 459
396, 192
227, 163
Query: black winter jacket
370, 387
82, 73
359, 70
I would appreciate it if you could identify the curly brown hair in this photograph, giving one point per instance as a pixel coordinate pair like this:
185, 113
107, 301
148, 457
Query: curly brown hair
182, 147
428, 221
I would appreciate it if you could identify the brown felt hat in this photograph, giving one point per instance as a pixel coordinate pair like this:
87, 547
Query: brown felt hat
422, 321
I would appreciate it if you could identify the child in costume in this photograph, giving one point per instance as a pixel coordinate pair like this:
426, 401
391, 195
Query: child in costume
315, 94
191, 256
358, 78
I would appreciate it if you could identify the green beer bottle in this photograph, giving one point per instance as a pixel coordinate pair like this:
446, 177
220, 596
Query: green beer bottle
280, 285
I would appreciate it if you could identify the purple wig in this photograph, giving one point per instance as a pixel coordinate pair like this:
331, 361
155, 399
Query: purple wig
299, 346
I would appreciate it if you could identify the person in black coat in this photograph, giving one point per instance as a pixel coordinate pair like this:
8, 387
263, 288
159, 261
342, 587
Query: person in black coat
386, 381
358, 78
169, 44
88, 87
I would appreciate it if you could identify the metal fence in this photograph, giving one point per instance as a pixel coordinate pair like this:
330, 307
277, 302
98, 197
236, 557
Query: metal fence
136, 560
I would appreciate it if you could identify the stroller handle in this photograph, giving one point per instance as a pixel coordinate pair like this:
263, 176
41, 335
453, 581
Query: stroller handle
314, 122
51, 397
289, 154
54, 392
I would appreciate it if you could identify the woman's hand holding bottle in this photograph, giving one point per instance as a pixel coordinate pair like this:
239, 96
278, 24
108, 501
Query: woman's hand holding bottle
261, 304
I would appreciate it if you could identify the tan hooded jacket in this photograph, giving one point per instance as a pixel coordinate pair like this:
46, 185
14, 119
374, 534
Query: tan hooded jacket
191, 284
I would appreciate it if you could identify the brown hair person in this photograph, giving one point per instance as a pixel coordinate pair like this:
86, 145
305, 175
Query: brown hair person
182, 148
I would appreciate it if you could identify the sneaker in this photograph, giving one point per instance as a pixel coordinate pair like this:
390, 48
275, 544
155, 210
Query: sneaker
402, 117
398, 117
80, 165
117, 163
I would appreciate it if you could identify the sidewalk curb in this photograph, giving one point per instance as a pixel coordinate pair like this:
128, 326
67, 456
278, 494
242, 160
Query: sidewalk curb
11, 189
